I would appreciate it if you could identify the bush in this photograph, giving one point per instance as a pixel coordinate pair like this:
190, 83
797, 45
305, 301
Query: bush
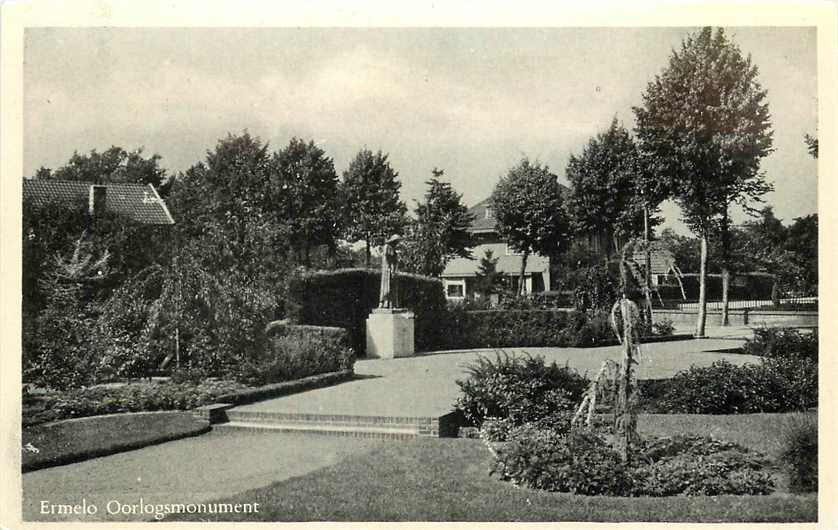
800, 453
579, 462
133, 397
296, 352
664, 327
775, 385
584, 462
783, 342
522, 389
344, 298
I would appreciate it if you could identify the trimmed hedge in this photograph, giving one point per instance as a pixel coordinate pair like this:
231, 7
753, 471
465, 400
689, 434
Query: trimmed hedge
506, 328
296, 352
757, 287
344, 298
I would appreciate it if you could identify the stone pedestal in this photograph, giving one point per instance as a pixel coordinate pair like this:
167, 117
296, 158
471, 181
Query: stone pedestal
390, 333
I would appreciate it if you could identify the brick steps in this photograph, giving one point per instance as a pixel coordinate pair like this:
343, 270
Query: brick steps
385, 427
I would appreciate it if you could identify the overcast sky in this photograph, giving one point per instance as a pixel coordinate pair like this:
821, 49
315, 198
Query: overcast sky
470, 101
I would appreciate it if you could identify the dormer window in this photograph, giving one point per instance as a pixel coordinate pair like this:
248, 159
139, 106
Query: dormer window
489, 213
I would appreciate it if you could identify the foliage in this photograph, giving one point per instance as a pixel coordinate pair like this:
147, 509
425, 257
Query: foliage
488, 280
297, 352
112, 165
530, 214
304, 196
345, 297
800, 452
369, 194
522, 389
64, 354
584, 462
664, 327
440, 230
608, 189
781, 384
580, 462
596, 288
132, 397
811, 145
783, 342
705, 122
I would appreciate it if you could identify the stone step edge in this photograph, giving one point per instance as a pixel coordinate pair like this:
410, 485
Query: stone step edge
322, 429
333, 419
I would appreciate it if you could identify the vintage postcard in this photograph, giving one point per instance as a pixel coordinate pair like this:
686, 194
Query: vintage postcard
473, 263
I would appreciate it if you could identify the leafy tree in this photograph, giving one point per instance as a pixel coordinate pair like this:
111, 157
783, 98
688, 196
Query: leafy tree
370, 196
705, 122
488, 280
65, 354
305, 196
607, 188
112, 165
530, 212
440, 230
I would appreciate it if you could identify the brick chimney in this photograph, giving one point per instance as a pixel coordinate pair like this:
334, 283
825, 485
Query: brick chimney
96, 203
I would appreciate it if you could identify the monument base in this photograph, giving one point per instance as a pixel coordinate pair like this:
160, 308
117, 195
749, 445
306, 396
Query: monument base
390, 333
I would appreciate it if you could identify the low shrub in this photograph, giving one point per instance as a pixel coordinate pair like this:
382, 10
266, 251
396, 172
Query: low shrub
775, 385
800, 452
783, 342
584, 462
664, 327
520, 388
132, 397
296, 352
578, 462
504, 328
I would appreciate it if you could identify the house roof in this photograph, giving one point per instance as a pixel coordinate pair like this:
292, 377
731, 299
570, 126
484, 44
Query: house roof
484, 224
511, 265
138, 202
661, 260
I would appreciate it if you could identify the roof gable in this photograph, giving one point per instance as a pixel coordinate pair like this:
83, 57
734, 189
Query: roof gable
138, 202
485, 224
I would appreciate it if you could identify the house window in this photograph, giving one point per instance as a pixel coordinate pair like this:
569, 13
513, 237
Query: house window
489, 213
455, 290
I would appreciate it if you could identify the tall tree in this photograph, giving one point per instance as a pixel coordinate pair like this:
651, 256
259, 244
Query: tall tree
112, 165
607, 188
530, 213
305, 195
439, 232
370, 197
705, 121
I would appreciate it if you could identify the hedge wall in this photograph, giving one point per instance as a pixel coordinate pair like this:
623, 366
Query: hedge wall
507, 328
345, 297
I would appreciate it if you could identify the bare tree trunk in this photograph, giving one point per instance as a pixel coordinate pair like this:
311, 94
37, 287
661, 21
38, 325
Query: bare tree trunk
523, 271
725, 288
725, 266
702, 289
648, 273
368, 254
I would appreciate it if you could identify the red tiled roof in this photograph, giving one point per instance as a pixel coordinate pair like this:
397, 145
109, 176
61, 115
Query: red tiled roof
138, 202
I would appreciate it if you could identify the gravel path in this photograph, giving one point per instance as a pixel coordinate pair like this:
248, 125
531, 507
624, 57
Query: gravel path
425, 385
214, 465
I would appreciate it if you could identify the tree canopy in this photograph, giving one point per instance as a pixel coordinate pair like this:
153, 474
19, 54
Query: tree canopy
372, 210
112, 165
529, 211
439, 232
610, 187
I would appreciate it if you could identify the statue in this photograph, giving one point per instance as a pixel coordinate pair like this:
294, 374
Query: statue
388, 295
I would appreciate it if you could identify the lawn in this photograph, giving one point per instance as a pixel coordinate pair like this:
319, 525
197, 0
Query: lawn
447, 480
69, 441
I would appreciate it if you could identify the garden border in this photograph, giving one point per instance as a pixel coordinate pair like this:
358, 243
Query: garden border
200, 427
